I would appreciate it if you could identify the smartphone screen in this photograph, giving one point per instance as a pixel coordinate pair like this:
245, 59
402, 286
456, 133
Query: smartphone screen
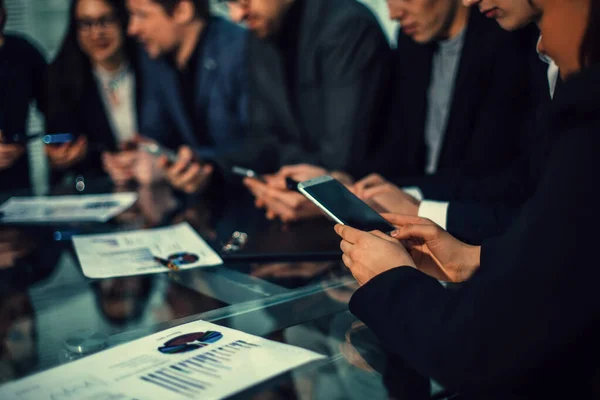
333, 197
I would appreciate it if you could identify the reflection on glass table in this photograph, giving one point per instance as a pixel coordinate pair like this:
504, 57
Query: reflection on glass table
258, 294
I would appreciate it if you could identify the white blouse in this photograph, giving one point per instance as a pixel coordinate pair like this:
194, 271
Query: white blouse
117, 91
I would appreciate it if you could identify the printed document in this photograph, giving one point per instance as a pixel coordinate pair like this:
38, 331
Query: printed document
141, 252
198, 360
81, 208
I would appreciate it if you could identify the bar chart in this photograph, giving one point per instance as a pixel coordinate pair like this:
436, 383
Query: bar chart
194, 375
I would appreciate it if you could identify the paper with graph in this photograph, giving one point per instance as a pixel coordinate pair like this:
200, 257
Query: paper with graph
78, 208
198, 360
147, 251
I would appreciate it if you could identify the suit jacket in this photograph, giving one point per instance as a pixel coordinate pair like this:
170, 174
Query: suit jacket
526, 324
483, 207
89, 117
22, 73
341, 79
487, 106
221, 95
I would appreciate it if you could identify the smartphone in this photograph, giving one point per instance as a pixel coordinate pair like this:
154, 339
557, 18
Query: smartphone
18, 138
57, 138
247, 173
343, 206
157, 150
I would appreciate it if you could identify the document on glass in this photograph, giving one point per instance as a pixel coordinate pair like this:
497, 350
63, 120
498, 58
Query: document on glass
80, 208
198, 360
149, 251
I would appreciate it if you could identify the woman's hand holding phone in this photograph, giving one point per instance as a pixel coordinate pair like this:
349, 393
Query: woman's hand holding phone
62, 156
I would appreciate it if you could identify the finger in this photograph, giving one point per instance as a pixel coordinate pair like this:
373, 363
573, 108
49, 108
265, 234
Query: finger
347, 260
191, 174
163, 163
371, 180
373, 191
400, 219
412, 231
291, 199
346, 247
383, 236
350, 234
255, 186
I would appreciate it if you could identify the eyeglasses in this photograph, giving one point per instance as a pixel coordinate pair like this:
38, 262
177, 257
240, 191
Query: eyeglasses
85, 25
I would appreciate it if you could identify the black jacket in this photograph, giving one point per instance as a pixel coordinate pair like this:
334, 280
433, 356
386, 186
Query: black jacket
488, 103
482, 208
89, 117
528, 321
319, 96
22, 80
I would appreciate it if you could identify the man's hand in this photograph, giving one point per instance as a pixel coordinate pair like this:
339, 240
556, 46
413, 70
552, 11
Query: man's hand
9, 153
120, 166
304, 172
281, 203
285, 204
68, 154
369, 254
186, 174
435, 251
387, 195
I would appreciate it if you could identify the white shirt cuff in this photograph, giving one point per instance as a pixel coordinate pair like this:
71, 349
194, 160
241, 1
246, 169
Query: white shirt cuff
437, 211
414, 192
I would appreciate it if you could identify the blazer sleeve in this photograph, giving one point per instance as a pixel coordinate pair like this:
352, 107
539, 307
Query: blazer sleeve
532, 308
355, 75
473, 222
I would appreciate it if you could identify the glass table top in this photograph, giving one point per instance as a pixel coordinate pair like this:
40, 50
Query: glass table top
287, 285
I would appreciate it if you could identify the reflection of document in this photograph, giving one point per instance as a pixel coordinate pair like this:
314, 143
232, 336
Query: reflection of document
192, 361
132, 253
93, 208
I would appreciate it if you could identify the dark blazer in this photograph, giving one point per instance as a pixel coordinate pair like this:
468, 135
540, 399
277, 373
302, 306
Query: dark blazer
483, 207
89, 117
487, 105
22, 73
341, 79
221, 95
527, 322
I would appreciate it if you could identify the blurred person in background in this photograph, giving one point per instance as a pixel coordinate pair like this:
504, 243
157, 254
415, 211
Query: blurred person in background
196, 94
95, 93
460, 95
319, 75
22, 72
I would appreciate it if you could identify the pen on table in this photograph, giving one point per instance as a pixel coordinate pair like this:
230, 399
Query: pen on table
169, 264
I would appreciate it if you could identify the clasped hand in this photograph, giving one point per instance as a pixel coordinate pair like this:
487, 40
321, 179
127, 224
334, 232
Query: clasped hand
288, 205
417, 243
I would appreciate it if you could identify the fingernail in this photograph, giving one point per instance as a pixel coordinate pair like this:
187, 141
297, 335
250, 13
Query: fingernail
394, 233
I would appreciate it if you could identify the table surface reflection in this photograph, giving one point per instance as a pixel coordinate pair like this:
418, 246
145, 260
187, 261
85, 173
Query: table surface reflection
45, 298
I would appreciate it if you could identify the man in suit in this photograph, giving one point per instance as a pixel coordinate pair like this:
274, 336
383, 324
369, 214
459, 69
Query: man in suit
22, 71
319, 73
195, 84
460, 97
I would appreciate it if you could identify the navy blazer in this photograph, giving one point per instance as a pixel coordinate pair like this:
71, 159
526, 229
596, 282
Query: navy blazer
221, 94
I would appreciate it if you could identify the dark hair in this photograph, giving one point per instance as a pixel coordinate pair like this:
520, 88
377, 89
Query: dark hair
589, 53
71, 69
202, 6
